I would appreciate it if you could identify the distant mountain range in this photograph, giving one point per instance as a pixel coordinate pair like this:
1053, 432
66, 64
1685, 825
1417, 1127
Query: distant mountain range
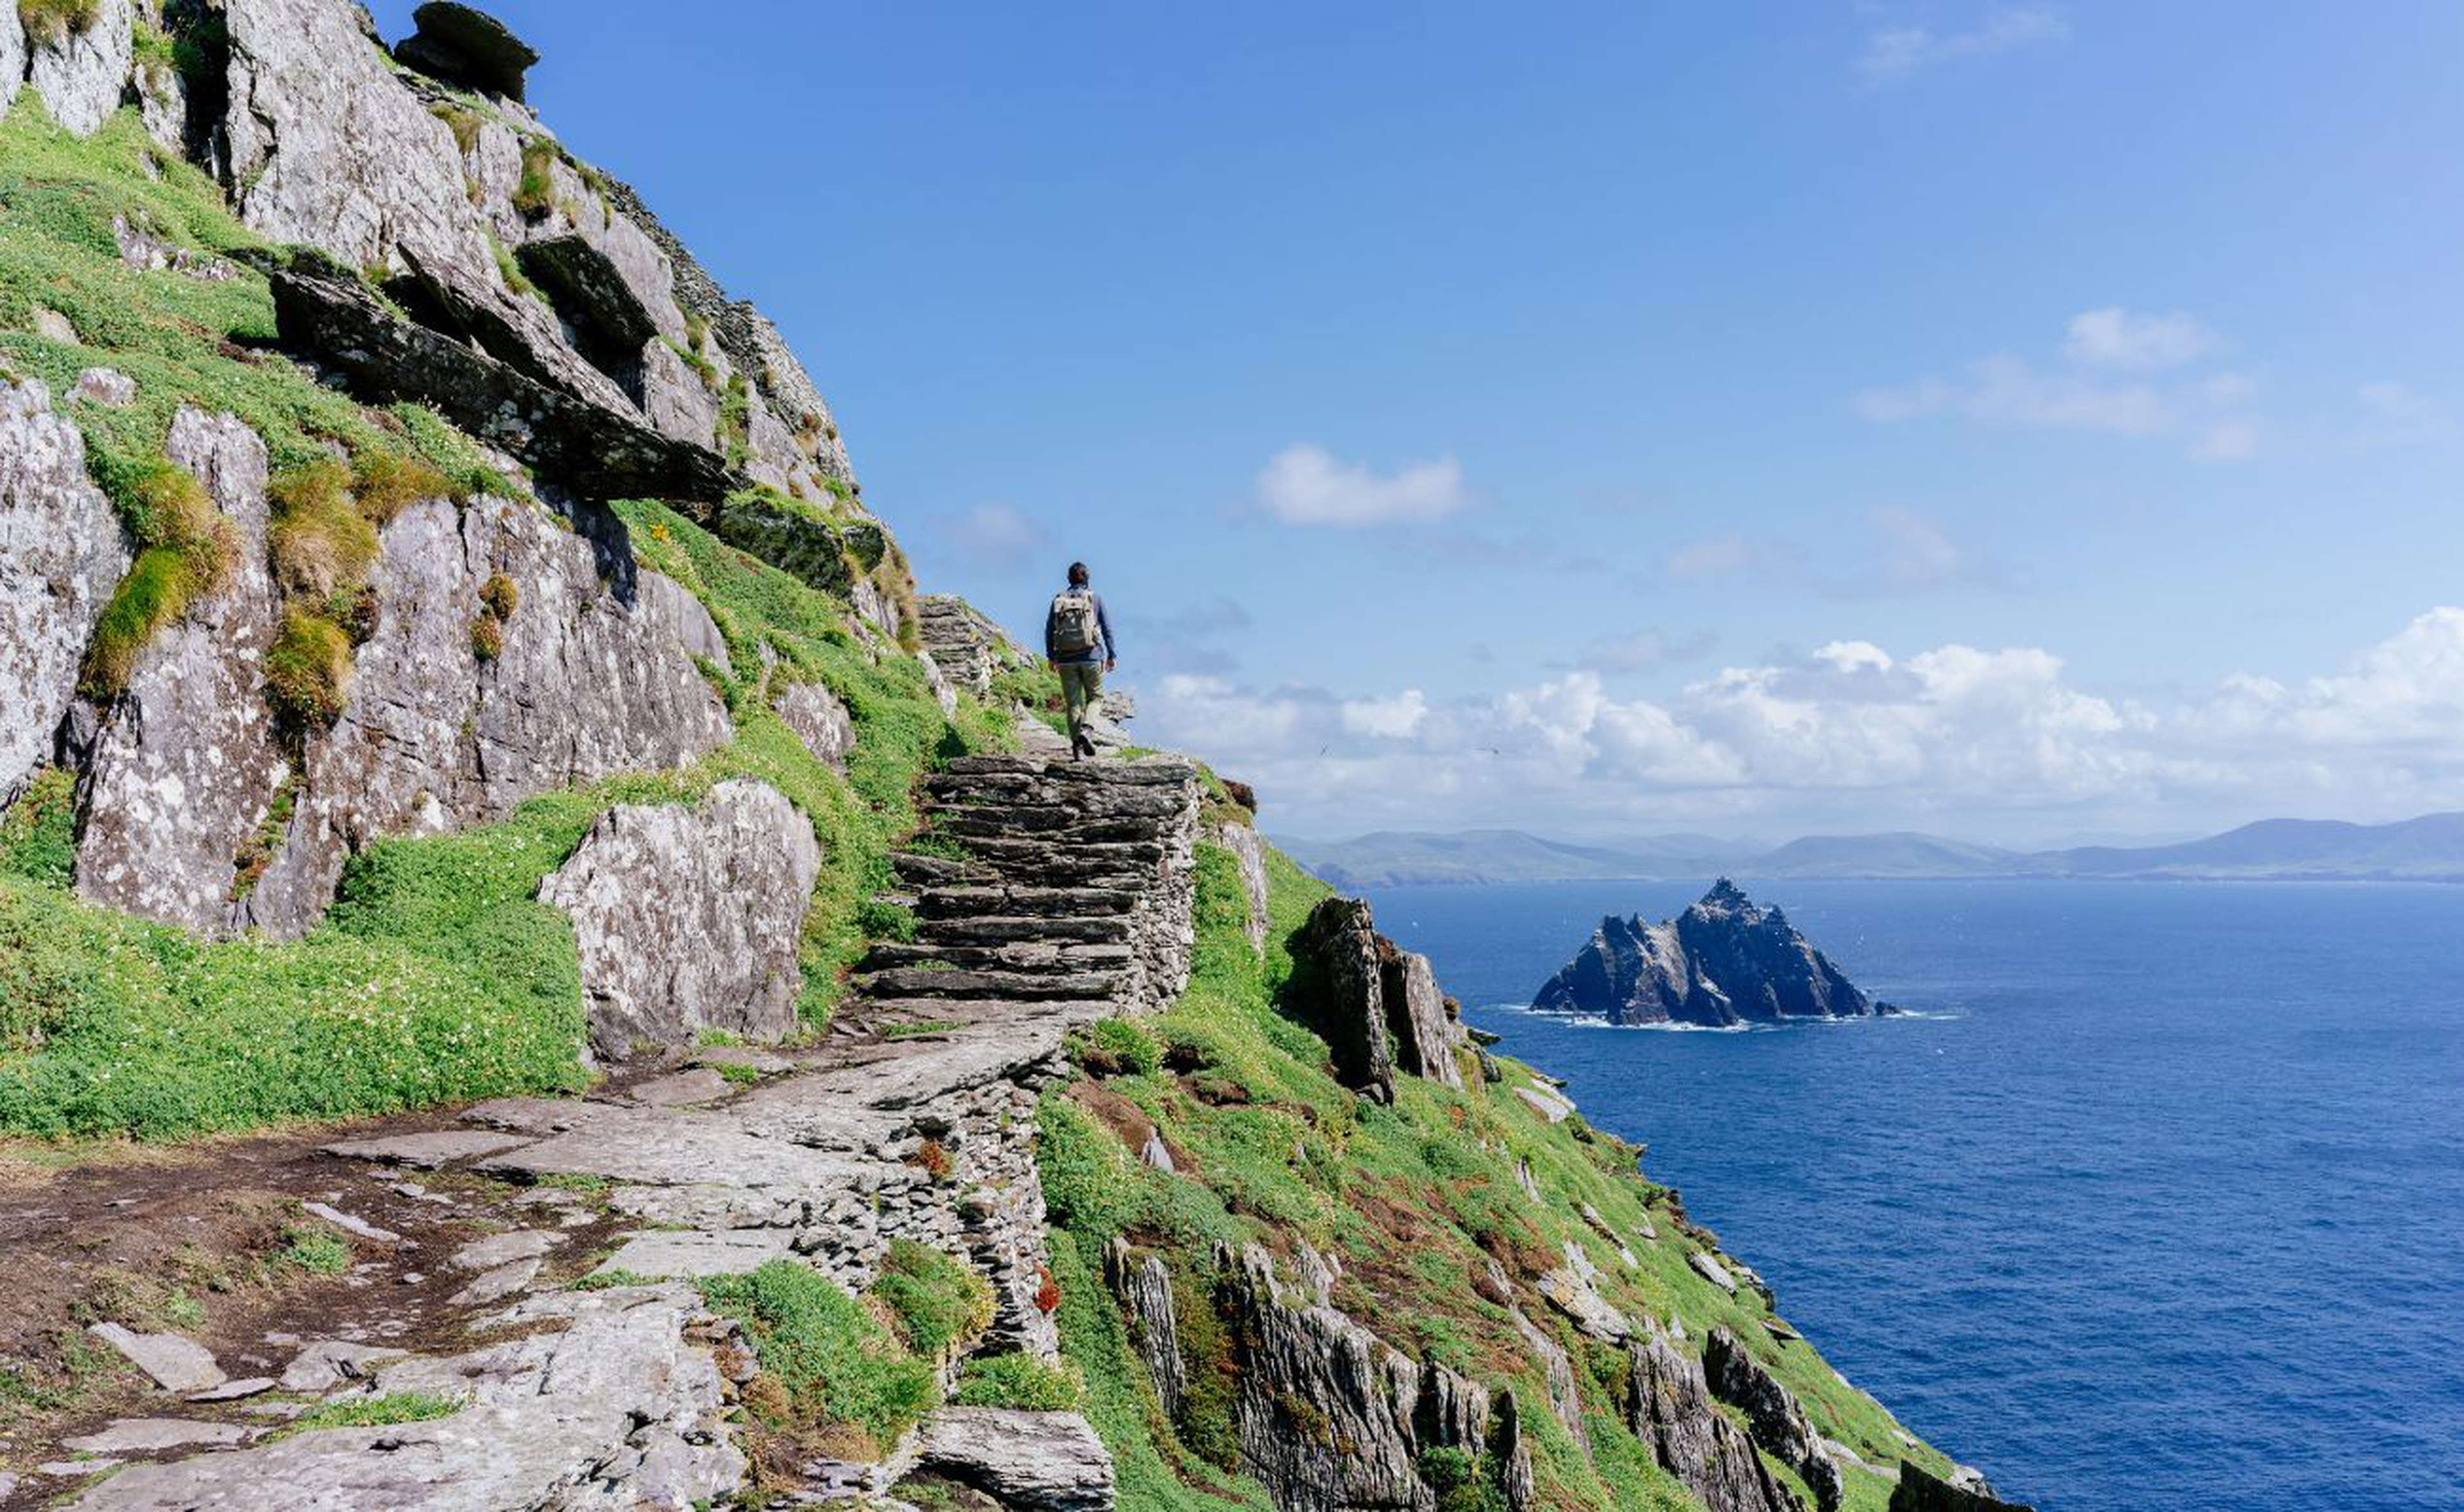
2430, 849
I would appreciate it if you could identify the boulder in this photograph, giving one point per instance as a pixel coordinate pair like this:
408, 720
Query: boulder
1339, 989
688, 918
1670, 1408
1723, 962
1773, 1415
186, 768
591, 680
1426, 1035
591, 291
963, 643
1025, 1461
1920, 1490
81, 71
467, 47
61, 553
819, 720
1572, 1289
595, 449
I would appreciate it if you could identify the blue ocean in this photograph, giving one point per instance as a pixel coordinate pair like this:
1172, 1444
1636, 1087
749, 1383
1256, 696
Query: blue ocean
2158, 1206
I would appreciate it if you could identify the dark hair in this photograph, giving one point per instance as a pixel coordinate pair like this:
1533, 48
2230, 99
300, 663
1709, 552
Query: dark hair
1077, 575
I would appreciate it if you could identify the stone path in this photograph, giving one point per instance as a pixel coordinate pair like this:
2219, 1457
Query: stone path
1054, 894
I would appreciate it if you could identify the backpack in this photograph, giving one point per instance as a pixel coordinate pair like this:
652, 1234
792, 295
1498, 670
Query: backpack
1073, 622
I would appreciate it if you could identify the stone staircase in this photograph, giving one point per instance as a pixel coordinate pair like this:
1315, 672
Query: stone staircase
1039, 885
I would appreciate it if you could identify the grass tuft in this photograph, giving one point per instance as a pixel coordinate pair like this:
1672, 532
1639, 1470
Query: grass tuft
1019, 1381
833, 1365
54, 21
936, 1303
308, 671
373, 1411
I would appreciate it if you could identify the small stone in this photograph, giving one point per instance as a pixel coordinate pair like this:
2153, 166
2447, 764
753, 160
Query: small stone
1713, 1271
350, 1225
105, 385
144, 1434
409, 1278
329, 1362
502, 1283
1157, 1154
53, 326
176, 1364
503, 1249
233, 1391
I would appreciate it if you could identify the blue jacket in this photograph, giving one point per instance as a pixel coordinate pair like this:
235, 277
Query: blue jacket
1108, 650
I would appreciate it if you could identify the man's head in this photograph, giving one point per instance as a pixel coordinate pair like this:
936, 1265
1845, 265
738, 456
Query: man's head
1077, 575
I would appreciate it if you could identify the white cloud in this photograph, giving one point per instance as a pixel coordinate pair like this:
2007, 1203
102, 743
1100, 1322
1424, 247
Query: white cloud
1894, 52
1307, 485
1396, 718
2205, 411
2115, 337
1854, 736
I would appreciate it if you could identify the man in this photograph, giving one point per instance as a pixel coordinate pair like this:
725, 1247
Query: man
1078, 638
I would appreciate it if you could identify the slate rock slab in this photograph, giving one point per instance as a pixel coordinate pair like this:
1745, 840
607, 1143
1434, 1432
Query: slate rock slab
430, 1150
662, 1253
145, 1434
176, 1364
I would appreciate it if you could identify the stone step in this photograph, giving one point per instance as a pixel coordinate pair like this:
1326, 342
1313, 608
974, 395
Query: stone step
1093, 773
1048, 956
1023, 792
1053, 824
926, 871
1011, 853
858, 1013
1022, 986
956, 903
989, 929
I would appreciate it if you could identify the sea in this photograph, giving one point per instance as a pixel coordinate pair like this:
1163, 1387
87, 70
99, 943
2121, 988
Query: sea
2155, 1200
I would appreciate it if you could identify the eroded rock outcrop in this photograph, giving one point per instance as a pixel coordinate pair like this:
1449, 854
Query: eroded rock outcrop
186, 767
1241, 841
1778, 1424
1329, 1415
584, 684
1669, 1407
80, 69
687, 918
1377, 1007
1724, 961
1920, 1490
62, 553
1143, 1286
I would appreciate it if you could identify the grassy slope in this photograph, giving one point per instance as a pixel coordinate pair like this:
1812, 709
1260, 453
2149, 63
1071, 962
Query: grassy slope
1413, 1197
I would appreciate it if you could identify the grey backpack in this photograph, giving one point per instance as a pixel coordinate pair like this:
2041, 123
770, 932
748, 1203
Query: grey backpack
1073, 620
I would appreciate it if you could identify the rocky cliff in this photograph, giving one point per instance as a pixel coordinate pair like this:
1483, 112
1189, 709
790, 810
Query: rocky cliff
1724, 961
674, 1037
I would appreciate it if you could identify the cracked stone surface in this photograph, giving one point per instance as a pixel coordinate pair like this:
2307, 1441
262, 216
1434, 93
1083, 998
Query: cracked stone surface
617, 1407
61, 555
175, 1363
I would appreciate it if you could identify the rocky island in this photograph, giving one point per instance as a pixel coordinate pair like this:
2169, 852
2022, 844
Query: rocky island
1723, 962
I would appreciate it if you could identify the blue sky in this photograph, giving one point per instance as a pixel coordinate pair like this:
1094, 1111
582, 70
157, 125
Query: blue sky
2016, 421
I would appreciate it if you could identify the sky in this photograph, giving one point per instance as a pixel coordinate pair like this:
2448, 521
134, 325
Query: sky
2020, 422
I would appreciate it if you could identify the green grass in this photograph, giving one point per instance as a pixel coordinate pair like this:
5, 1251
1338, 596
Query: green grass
602, 1279
320, 1252
373, 1411
1110, 1046
937, 1302
1018, 1381
38, 832
834, 1363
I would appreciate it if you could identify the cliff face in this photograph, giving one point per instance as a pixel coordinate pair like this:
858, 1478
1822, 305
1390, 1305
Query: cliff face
458, 692
1722, 962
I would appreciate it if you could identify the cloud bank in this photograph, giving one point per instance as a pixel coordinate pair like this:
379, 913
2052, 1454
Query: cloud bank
1850, 737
